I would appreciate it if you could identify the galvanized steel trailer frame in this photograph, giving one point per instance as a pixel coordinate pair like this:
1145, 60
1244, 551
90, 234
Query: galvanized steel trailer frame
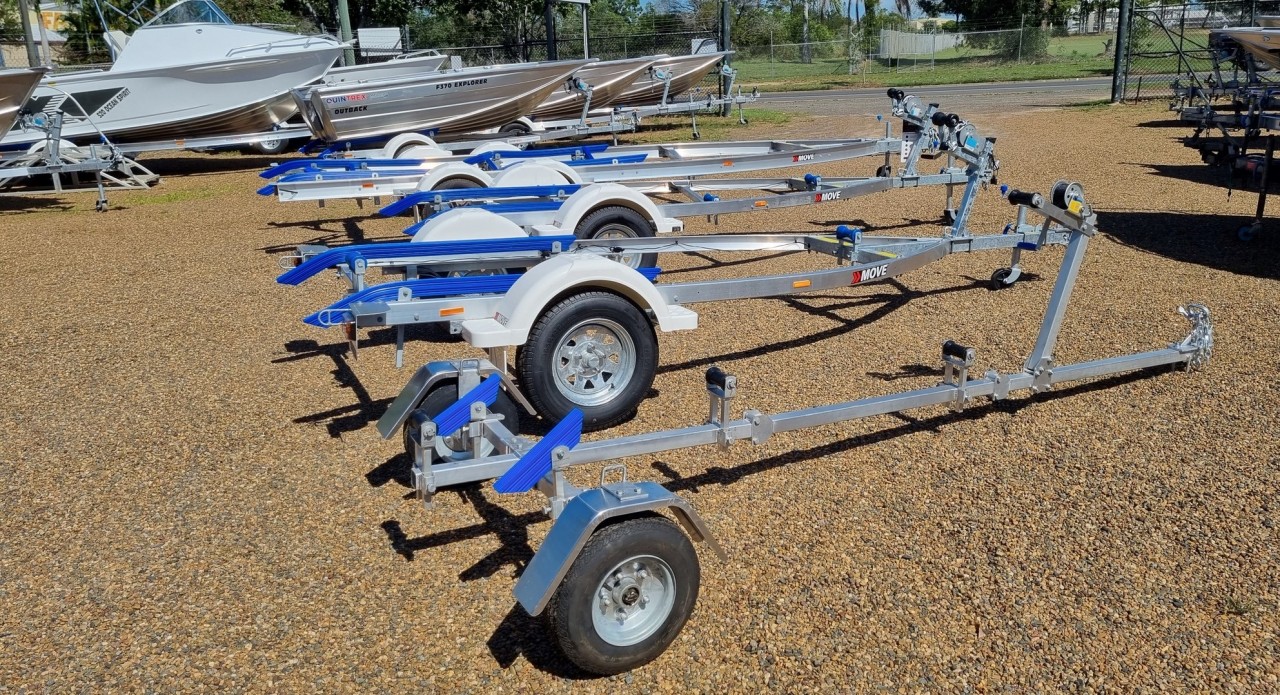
616, 579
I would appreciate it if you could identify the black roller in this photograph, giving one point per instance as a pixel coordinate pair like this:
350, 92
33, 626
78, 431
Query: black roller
1017, 197
953, 349
939, 118
954, 120
716, 377
896, 94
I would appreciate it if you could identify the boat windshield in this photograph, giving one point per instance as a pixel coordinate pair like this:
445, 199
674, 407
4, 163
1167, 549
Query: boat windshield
191, 12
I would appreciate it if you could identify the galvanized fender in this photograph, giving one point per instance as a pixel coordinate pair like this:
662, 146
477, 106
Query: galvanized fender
467, 223
581, 517
543, 283
454, 170
413, 146
599, 195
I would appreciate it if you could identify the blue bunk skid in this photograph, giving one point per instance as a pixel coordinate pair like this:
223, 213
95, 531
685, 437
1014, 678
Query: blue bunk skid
452, 419
536, 464
428, 289
426, 197
419, 249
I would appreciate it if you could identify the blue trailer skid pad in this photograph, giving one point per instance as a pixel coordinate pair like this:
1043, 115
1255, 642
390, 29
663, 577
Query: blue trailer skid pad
451, 419
427, 197
535, 464
427, 289
419, 249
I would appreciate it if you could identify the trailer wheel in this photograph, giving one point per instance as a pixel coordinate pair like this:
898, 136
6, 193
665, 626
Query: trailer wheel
452, 447
456, 183
619, 222
593, 351
998, 278
514, 129
627, 595
272, 146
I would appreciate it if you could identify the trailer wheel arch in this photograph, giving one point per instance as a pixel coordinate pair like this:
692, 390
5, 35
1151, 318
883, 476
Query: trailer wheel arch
454, 170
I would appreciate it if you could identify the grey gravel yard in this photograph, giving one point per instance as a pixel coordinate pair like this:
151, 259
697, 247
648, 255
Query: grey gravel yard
193, 496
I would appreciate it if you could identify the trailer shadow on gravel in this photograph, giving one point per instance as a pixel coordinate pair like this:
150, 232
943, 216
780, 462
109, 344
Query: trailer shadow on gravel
1203, 239
197, 164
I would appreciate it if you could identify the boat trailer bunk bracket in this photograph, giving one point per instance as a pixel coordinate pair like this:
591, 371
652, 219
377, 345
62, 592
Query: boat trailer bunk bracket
617, 576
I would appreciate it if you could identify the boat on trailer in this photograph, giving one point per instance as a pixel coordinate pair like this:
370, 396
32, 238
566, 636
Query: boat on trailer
670, 77
188, 71
605, 82
453, 101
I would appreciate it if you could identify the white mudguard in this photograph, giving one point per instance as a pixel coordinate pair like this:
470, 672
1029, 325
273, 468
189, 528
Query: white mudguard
495, 146
454, 170
467, 223
413, 146
531, 173
530, 295
600, 195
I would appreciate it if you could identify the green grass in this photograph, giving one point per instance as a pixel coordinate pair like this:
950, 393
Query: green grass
667, 128
1068, 57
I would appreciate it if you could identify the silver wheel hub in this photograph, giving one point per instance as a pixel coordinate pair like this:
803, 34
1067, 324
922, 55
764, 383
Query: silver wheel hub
594, 361
634, 600
618, 231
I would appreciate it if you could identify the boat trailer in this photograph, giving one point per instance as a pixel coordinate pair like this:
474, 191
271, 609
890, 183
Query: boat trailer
67, 166
616, 577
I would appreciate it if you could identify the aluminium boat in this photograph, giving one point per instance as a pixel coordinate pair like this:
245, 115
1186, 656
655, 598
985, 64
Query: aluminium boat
188, 72
451, 101
684, 71
1263, 43
608, 81
16, 87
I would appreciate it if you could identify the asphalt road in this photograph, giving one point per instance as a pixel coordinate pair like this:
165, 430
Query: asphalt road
983, 96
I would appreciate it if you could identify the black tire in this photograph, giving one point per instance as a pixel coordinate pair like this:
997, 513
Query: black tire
513, 129
443, 396
998, 278
456, 183
664, 552
948, 217
884, 171
614, 338
617, 221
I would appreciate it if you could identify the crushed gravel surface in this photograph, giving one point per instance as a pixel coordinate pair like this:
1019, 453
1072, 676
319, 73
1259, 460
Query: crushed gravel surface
193, 496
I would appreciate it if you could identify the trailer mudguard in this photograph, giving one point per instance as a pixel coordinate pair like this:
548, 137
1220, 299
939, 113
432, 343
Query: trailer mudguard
413, 146
495, 146
585, 513
454, 170
599, 195
567, 173
543, 283
467, 223
534, 173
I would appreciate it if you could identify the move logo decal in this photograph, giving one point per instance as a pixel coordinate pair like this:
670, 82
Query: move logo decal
826, 197
801, 157
869, 274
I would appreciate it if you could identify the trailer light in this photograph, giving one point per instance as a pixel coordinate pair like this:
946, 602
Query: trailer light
451, 311
366, 185
762, 203
728, 162
801, 283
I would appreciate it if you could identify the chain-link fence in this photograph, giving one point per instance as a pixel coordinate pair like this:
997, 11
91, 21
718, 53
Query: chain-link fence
1171, 42
878, 55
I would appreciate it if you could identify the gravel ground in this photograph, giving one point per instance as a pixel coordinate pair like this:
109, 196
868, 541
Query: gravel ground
194, 496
